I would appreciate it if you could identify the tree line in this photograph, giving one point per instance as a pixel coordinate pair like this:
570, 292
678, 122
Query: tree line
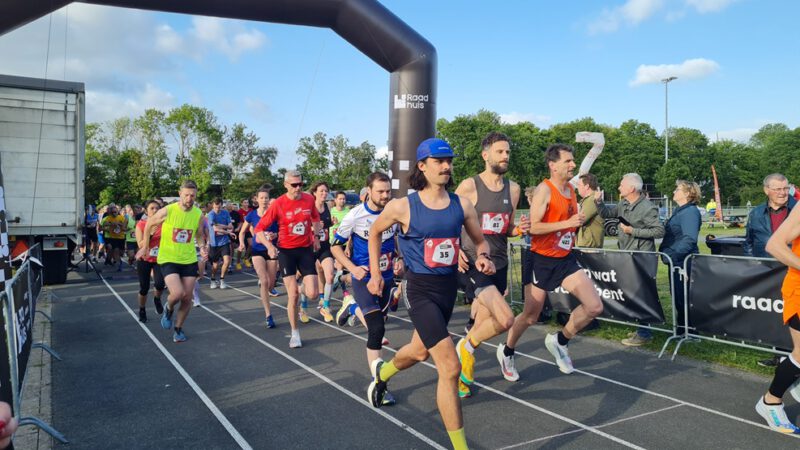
127, 159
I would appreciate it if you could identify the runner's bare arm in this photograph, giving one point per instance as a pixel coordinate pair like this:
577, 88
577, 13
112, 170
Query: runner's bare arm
265, 222
202, 235
242, 233
152, 222
524, 226
777, 245
396, 211
139, 238
466, 189
484, 260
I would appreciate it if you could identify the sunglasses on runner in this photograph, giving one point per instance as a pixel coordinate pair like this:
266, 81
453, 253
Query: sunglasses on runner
297, 185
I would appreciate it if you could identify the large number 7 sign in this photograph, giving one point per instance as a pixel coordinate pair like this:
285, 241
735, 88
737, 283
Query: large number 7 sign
599, 142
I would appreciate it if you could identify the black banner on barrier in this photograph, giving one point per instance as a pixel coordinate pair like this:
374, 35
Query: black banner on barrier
23, 308
739, 299
626, 282
6, 391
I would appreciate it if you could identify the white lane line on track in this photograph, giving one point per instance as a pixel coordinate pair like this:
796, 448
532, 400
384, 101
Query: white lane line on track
621, 384
566, 433
483, 386
243, 444
327, 380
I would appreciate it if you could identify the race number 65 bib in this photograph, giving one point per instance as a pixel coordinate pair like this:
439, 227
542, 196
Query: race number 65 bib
385, 262
299, 229
441, 252
565, 241
181, 235
494, 223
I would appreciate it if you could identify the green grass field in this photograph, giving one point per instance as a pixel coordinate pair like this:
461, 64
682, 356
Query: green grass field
727, 355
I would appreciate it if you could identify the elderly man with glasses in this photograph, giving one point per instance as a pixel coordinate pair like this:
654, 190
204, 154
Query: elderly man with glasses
765, 218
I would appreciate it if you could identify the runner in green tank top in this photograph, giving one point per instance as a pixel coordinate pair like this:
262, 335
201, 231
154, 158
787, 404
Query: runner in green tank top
180, 223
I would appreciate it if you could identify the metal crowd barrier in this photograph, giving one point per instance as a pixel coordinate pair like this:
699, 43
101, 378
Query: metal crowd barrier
741, 306
651, 325
18, 303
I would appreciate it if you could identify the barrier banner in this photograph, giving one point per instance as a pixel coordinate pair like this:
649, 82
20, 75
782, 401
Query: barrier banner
625, 281
738, 298
6, 390
23, 309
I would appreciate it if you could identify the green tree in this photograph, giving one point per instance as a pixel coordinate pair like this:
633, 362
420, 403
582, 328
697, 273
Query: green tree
315, 157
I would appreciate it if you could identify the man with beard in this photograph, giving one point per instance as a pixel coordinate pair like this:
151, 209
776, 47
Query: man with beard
495, 199
355, 226
430, 219
554, 219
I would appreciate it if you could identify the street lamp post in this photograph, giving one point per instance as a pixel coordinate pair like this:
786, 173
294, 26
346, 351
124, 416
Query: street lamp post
666, 130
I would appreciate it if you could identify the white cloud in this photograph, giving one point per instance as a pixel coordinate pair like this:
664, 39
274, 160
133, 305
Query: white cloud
632, 12
709, 6
689, 69
739, 135
102, 106
231, 41
514, 117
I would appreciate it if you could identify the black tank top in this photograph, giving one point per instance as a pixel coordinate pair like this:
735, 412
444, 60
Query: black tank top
494, 217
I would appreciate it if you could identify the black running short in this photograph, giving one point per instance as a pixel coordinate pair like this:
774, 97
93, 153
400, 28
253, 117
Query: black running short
548, 273
131, 246
324, 251
293, 260
118, 244
215, 253
431, 299
478, 281
262, 253
368, 302
91, 234
182, 270
527, 266
143, 269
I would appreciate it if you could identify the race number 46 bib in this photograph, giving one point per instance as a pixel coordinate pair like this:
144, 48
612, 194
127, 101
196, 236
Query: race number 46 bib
565, 241
494, 223
299, 229
441, 252
181, 235
385, 262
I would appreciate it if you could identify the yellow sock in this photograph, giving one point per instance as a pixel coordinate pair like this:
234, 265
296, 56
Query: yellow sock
458, 439
388, 370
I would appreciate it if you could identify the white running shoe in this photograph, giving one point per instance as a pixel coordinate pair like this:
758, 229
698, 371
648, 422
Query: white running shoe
559, 352
223, 284
213, 284
294, 341
196, 301
776, 417
507, 367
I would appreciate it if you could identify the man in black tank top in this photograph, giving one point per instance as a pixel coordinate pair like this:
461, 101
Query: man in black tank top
495, 199
430, 257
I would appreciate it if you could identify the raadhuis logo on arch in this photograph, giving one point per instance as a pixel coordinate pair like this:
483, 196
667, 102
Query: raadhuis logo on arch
410, 101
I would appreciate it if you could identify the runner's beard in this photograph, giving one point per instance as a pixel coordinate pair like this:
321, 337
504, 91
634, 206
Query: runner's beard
498, 168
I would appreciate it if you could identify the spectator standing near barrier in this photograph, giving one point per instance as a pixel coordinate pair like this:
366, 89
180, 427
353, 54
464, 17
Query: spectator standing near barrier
495, 198
553, 222
591, 233
762, 221
430, 220
640, 233
787, 374
298, 238
680, 239
180, 223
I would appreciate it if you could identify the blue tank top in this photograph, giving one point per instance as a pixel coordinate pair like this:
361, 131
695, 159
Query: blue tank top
431, 244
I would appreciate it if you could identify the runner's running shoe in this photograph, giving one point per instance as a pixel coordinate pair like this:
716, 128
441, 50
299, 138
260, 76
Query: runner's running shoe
178, 336
377, 389
303, 315
294, 341
326, 314
506, 364
223, 284
142, 315
213, 284
344, 311
388, 399
274, 293
158, 305
467, 360
559, 352
776, 417
166, 319
270, 322
463, 390
394, 298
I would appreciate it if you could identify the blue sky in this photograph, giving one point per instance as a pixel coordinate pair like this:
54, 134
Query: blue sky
737, 61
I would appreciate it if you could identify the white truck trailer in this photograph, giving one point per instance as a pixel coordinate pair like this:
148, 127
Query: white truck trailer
42, 148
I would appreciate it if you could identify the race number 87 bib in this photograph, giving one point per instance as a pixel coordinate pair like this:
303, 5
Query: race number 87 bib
441, 252
494, 223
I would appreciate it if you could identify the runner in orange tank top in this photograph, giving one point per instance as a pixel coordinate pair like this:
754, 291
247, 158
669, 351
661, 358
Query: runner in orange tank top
787, 374
554, 219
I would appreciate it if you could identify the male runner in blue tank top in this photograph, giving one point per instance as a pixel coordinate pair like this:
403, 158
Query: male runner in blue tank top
430, 220
495, 199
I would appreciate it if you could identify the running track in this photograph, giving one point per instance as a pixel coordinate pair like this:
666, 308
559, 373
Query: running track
235, 384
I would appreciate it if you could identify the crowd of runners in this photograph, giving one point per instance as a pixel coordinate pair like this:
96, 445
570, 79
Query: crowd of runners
420, 249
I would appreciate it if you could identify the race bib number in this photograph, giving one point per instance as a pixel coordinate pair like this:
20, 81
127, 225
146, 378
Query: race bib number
441, 252
299, 229
181, 236
565, 241
494, 223
116, 229
323, 234
385, 262
153, 252
132, 234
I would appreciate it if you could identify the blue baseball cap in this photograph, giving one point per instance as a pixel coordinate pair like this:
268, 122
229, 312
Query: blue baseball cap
434, 147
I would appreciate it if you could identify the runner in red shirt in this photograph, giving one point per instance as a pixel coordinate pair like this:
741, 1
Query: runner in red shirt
147, 263
298, 238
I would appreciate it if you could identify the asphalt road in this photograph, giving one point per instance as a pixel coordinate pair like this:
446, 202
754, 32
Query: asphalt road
237, 384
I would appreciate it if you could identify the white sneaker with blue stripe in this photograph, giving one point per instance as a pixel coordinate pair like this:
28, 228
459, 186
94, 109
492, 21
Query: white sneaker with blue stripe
776, 417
